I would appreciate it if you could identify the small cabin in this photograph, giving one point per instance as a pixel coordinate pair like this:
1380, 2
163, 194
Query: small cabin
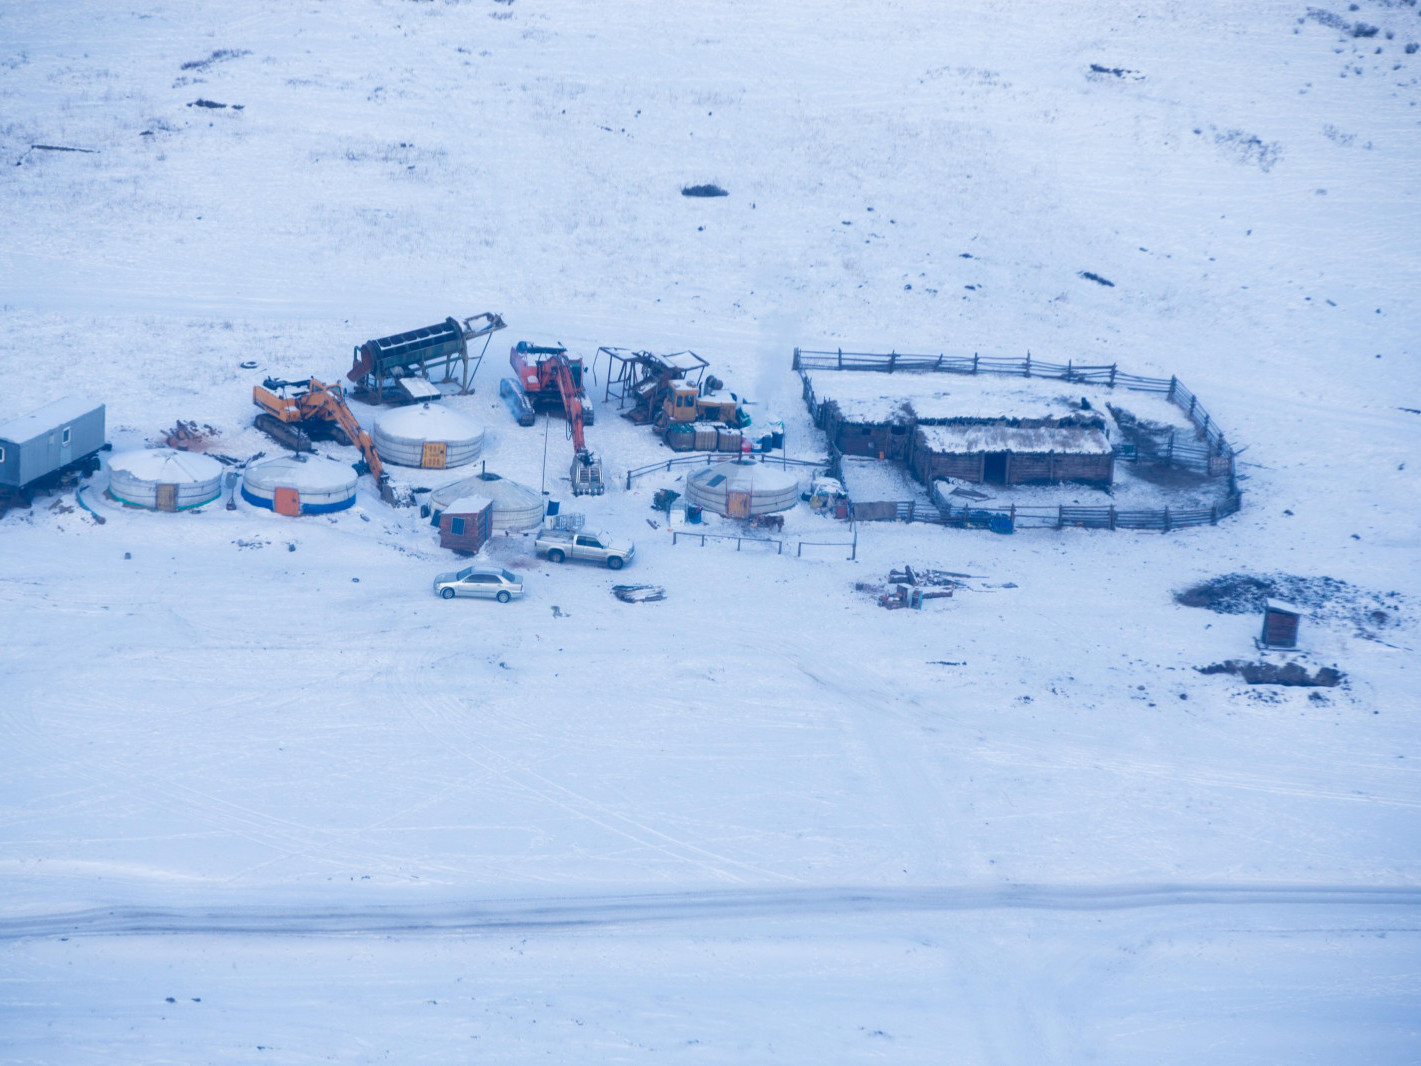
878, 431
466, 524
1013, 452
48, 440
1280, 625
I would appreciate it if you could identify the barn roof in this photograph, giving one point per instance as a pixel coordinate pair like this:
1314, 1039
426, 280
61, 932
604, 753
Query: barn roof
37, 423
977, 438
868, 398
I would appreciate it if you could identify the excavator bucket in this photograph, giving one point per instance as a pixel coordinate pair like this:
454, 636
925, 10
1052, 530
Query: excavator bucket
586, 474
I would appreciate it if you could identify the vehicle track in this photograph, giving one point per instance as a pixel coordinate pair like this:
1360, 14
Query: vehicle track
591, 912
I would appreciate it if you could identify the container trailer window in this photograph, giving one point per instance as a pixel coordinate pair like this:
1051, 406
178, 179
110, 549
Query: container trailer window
64, 437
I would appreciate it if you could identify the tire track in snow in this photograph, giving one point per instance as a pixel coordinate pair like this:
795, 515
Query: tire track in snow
687, 907
450, 712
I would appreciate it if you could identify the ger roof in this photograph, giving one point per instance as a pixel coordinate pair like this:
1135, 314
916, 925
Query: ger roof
37, 423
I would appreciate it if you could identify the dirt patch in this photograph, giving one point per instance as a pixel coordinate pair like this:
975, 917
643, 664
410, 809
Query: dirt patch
1324, 598
1273, 674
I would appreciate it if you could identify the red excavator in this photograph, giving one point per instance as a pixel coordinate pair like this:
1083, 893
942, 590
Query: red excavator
547, 379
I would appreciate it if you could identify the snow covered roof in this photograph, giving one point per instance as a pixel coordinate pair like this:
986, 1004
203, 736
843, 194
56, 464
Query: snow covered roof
871, 397
166, 465
309, 474
1284, 607
973, 439
684, 361
468, 505
36, 423
428, 421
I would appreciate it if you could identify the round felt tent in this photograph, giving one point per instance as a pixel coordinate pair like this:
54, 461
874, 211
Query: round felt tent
741, 489
428, 436
164, 479
299, 485
515, 507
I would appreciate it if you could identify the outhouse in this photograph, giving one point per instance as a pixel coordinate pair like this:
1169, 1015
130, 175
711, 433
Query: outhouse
1280, 625
466, 524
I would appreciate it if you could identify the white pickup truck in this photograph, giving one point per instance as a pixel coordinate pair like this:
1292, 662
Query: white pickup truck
559, 545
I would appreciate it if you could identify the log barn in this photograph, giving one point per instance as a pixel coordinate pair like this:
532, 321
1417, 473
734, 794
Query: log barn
1009, 452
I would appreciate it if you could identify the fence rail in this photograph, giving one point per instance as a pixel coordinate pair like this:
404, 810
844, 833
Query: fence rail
708, 458
1062, 517
677, 535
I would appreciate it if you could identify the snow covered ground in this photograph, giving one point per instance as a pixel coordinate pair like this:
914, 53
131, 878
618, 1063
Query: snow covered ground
265, 798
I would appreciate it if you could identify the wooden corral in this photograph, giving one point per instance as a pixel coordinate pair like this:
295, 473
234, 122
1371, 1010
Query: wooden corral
466, 525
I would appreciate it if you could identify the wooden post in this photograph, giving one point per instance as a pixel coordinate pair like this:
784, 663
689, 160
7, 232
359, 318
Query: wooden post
1028, 364
796, 359
1173, 381
1111, 517
974, 362
892, 361
1112, 375
841, 359
1214, 515
1192, 401
1170, 457
1070, 376
1013, 516
1060, 516
1166, 520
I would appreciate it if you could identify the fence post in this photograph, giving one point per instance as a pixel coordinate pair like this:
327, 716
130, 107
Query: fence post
1028, 364
1013, 517
1112, 517
1070, 376
974, 362
799, 550
1166, 520
1060, 516
1169, 457
1214, 515
1173, 381
796, 359
1192, 401
892, 361
841, 359
629, 481
912, 509
1112, 375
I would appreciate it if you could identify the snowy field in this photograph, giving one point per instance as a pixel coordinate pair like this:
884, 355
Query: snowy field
264, 798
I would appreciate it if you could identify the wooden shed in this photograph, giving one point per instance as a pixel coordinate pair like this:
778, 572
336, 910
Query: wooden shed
854, 429
466, 524
1280, 625
1013, 452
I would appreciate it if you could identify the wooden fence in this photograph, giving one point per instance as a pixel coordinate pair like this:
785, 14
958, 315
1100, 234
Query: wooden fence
978, 517
678, 535
1209, 453
707, 458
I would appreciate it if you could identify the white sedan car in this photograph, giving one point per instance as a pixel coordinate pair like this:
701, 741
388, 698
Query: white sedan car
489, 583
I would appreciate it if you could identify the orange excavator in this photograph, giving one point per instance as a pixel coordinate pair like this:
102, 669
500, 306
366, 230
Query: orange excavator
546, 379
314, 409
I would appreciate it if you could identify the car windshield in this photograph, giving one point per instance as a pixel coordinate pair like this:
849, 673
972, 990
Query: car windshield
462, 574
